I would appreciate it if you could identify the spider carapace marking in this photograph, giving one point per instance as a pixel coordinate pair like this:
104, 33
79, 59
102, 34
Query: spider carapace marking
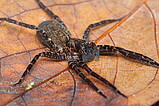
55, 36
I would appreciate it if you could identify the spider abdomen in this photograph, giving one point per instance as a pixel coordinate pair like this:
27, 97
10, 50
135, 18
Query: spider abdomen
54, 35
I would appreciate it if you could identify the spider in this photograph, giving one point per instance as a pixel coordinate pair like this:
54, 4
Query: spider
56, 36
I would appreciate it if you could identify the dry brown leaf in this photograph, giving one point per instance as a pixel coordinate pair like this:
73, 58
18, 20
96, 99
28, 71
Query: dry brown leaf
19, 45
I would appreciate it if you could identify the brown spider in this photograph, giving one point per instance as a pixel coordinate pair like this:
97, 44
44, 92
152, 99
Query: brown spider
55, 36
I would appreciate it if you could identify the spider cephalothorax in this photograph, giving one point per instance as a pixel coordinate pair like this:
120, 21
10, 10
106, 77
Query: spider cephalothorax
87, 50
55, 36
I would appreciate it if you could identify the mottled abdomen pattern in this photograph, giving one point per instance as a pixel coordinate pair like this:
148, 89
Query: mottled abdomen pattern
54, 35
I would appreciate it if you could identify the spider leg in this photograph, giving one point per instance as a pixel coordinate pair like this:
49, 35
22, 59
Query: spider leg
50, 12
104, 22
43, 54
84, 66
107, 49
73, 66
20, 23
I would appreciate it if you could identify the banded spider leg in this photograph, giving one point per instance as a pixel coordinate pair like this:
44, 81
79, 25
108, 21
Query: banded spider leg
112, 50
43, 54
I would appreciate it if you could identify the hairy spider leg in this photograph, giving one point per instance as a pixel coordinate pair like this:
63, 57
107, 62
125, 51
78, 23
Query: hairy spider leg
20, 23
43, 54
84, 66
107, 49
73, 66
104, 22
48, 11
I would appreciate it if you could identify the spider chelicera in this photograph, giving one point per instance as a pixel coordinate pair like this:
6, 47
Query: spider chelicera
55, 36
